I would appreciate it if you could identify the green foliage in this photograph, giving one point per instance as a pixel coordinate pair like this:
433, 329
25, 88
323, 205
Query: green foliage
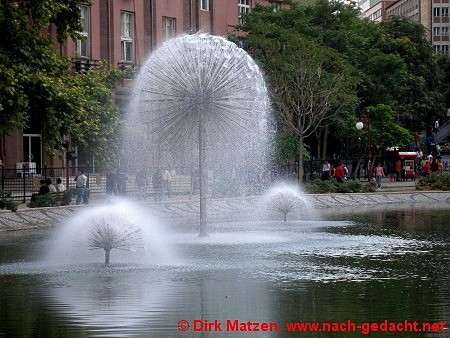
6, 202
385, 132
67, 197
439, 181
53, 199
390, 64
39, 93
418, 98
46, 200
444, 87
285, 149
349, 186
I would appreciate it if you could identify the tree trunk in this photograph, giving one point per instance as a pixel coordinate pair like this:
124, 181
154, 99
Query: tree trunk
325, 142
300, 161
107, 253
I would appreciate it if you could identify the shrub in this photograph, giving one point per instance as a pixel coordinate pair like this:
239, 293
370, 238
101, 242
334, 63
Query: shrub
322, 187
67, 196
440, 181
6, 202
45, 200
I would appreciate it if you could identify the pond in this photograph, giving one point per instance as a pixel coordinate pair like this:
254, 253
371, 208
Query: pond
378, 272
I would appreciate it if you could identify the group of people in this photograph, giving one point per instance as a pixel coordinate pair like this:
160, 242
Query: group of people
161, 180
339, 172
46, 186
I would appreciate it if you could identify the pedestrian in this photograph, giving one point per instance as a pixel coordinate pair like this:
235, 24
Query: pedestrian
398, 170
142, 183
82, 192
436, 126
167, 178
379, 173
60, 187
434, 167
339, 173
157, 181
326, 167
111, 183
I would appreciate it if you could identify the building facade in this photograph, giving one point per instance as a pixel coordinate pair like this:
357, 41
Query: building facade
124, 33
433, 14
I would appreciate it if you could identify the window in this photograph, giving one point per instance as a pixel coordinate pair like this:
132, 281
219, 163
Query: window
82, 45
445, 12
444, 31
276, 5
169, 28
436, 31
127, 36
441, 49
243, 8
436, 11
204, 5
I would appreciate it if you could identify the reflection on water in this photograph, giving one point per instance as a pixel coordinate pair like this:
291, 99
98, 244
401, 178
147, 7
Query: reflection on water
362, 267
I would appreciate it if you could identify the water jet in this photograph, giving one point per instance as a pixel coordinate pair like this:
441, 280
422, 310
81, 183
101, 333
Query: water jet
200, 95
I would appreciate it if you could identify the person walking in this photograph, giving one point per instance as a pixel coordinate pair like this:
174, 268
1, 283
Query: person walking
81, 181
326, 171
379, 174
142, 183
157, 181
339, 173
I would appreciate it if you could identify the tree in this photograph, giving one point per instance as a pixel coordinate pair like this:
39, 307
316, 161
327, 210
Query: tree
419, 100
308, 83
444, 88
38, 90
26, 54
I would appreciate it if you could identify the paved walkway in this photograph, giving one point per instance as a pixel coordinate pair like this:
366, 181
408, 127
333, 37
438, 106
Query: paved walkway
186, 210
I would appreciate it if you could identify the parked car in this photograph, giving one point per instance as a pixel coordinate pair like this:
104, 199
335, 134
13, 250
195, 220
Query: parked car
445, 149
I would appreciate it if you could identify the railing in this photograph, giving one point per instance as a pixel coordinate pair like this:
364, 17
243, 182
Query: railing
23, 182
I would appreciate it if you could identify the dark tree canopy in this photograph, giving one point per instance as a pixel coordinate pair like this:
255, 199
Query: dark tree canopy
38, 90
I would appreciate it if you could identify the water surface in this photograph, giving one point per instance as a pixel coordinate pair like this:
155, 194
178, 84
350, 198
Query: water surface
361, 267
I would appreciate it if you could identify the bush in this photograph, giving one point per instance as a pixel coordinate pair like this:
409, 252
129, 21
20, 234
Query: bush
322, 187
440, 181
6, 202
45, 200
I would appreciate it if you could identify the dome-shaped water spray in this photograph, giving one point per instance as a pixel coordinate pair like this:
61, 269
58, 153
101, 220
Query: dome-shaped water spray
197, 95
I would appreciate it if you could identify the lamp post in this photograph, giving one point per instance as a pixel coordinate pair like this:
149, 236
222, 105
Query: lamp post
359, 126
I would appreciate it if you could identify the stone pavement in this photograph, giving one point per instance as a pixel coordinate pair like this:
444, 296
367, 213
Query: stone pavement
185, 210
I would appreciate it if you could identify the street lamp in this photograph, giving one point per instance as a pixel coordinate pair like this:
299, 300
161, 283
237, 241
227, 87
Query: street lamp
359, 126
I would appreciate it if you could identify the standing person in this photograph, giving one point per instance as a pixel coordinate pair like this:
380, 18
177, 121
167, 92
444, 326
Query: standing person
60, 187
157, 181
142, 183
167, 177
81, 181
111, 184
339, 173
326, 171
398, 170
379, 173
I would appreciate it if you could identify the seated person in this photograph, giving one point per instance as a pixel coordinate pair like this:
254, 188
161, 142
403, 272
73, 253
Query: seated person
43, 189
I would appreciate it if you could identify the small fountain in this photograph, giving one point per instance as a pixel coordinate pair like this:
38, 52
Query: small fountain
107, 236
285, 198
121, 225
200, 98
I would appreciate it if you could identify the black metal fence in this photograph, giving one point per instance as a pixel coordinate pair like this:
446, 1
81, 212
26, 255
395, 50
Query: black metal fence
23, 182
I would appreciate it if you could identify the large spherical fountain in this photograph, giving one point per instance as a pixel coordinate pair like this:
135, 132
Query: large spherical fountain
199, 100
